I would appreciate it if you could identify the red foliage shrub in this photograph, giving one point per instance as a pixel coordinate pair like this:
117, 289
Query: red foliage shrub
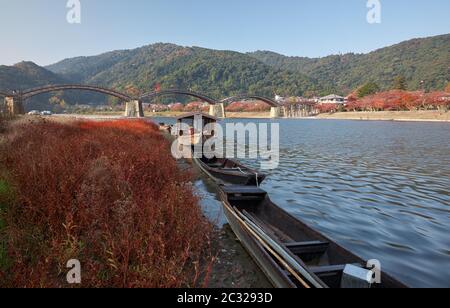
327, 108
178, 107
398, 100
440, 100
194, 106
255, 106
106, 193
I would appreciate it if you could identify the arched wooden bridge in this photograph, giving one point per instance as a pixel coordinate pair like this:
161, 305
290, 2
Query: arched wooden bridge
54, 88
240, 97
15, 100
168, 92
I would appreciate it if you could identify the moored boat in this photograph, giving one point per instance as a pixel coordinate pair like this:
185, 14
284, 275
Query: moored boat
221, 170
228, 171
289, 252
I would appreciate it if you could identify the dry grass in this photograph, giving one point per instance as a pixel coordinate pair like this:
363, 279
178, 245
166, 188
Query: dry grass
106, 193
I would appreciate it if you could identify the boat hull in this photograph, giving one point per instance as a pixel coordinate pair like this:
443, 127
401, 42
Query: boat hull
234, 178
289, 228
265, 262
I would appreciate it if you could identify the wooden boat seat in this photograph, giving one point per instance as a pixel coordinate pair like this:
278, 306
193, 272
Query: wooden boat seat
331, 274
243, 171
215, 165
244, 193
314, 247
248, 190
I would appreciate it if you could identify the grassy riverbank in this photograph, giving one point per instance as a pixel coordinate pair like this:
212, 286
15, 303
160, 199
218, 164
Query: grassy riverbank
106, 193
390, 116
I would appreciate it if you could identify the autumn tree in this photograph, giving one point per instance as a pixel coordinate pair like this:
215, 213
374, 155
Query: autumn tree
447, 88
328, 108
132, 90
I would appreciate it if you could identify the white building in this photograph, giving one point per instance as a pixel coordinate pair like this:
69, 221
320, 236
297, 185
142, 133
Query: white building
332, 99
279, 99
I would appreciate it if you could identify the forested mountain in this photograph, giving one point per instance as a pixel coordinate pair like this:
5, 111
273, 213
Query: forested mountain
26, 75
217, 73
223, 73
425, 59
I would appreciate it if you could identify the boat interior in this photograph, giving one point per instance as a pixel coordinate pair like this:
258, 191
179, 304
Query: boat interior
322, 257
224, 164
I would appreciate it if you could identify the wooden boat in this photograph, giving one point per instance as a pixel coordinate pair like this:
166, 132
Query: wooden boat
223, 171
290, 253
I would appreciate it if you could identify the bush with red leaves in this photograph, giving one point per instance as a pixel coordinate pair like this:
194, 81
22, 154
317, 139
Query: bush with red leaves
106, 193
327, 108
399, 100
254, 106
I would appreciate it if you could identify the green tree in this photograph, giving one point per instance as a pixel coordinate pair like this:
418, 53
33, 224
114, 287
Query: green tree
54, 100
63, 104
368, 88
399, 83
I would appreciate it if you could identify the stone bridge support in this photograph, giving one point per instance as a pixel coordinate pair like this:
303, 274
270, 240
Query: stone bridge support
217, 110
14, 105
276, 112
134, 109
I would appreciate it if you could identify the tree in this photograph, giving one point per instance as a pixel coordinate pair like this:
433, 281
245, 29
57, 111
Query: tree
54, 100
447, 88
399, 83
328, 108
132, 90
368, 89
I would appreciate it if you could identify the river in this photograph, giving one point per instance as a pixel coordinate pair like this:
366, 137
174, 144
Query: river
380, 189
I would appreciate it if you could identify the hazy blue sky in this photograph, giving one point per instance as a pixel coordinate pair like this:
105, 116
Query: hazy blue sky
37, 30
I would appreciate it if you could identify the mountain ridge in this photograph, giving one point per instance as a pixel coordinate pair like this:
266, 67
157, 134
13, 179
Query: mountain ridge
347, 70
223, 73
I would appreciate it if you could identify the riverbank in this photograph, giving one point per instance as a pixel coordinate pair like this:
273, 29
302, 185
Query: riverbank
231, 115
166, 114
105, 193
114, 172
413, 116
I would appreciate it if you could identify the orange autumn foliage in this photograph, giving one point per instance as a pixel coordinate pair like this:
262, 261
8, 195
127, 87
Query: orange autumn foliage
106, 193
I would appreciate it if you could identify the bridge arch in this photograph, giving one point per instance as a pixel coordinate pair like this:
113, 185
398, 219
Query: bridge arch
155, 94
236, 98
33, 92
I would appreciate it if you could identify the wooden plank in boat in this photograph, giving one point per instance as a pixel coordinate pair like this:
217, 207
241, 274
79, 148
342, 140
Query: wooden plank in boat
236, 189
315, 247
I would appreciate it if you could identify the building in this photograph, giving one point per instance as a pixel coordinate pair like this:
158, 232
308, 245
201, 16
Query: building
280, 99
332, 99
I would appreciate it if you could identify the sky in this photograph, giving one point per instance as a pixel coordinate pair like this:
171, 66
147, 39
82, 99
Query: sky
38, 30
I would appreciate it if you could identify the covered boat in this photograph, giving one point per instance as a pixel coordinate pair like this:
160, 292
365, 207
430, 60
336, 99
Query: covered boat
221, 170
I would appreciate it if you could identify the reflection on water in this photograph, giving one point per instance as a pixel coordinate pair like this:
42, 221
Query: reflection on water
380, 189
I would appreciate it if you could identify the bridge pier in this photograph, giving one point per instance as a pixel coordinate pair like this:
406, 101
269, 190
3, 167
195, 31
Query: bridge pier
14, 105
134, 109
275, 112
217, 110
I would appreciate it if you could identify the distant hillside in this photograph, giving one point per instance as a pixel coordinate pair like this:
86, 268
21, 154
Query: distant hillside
27, 75
225, 73
217, 73
425, 59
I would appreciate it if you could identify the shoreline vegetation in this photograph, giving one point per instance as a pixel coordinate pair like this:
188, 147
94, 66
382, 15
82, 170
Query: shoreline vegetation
106, 193
413, 116
401, 116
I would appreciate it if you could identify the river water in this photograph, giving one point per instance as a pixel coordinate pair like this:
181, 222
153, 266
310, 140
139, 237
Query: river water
380, 189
